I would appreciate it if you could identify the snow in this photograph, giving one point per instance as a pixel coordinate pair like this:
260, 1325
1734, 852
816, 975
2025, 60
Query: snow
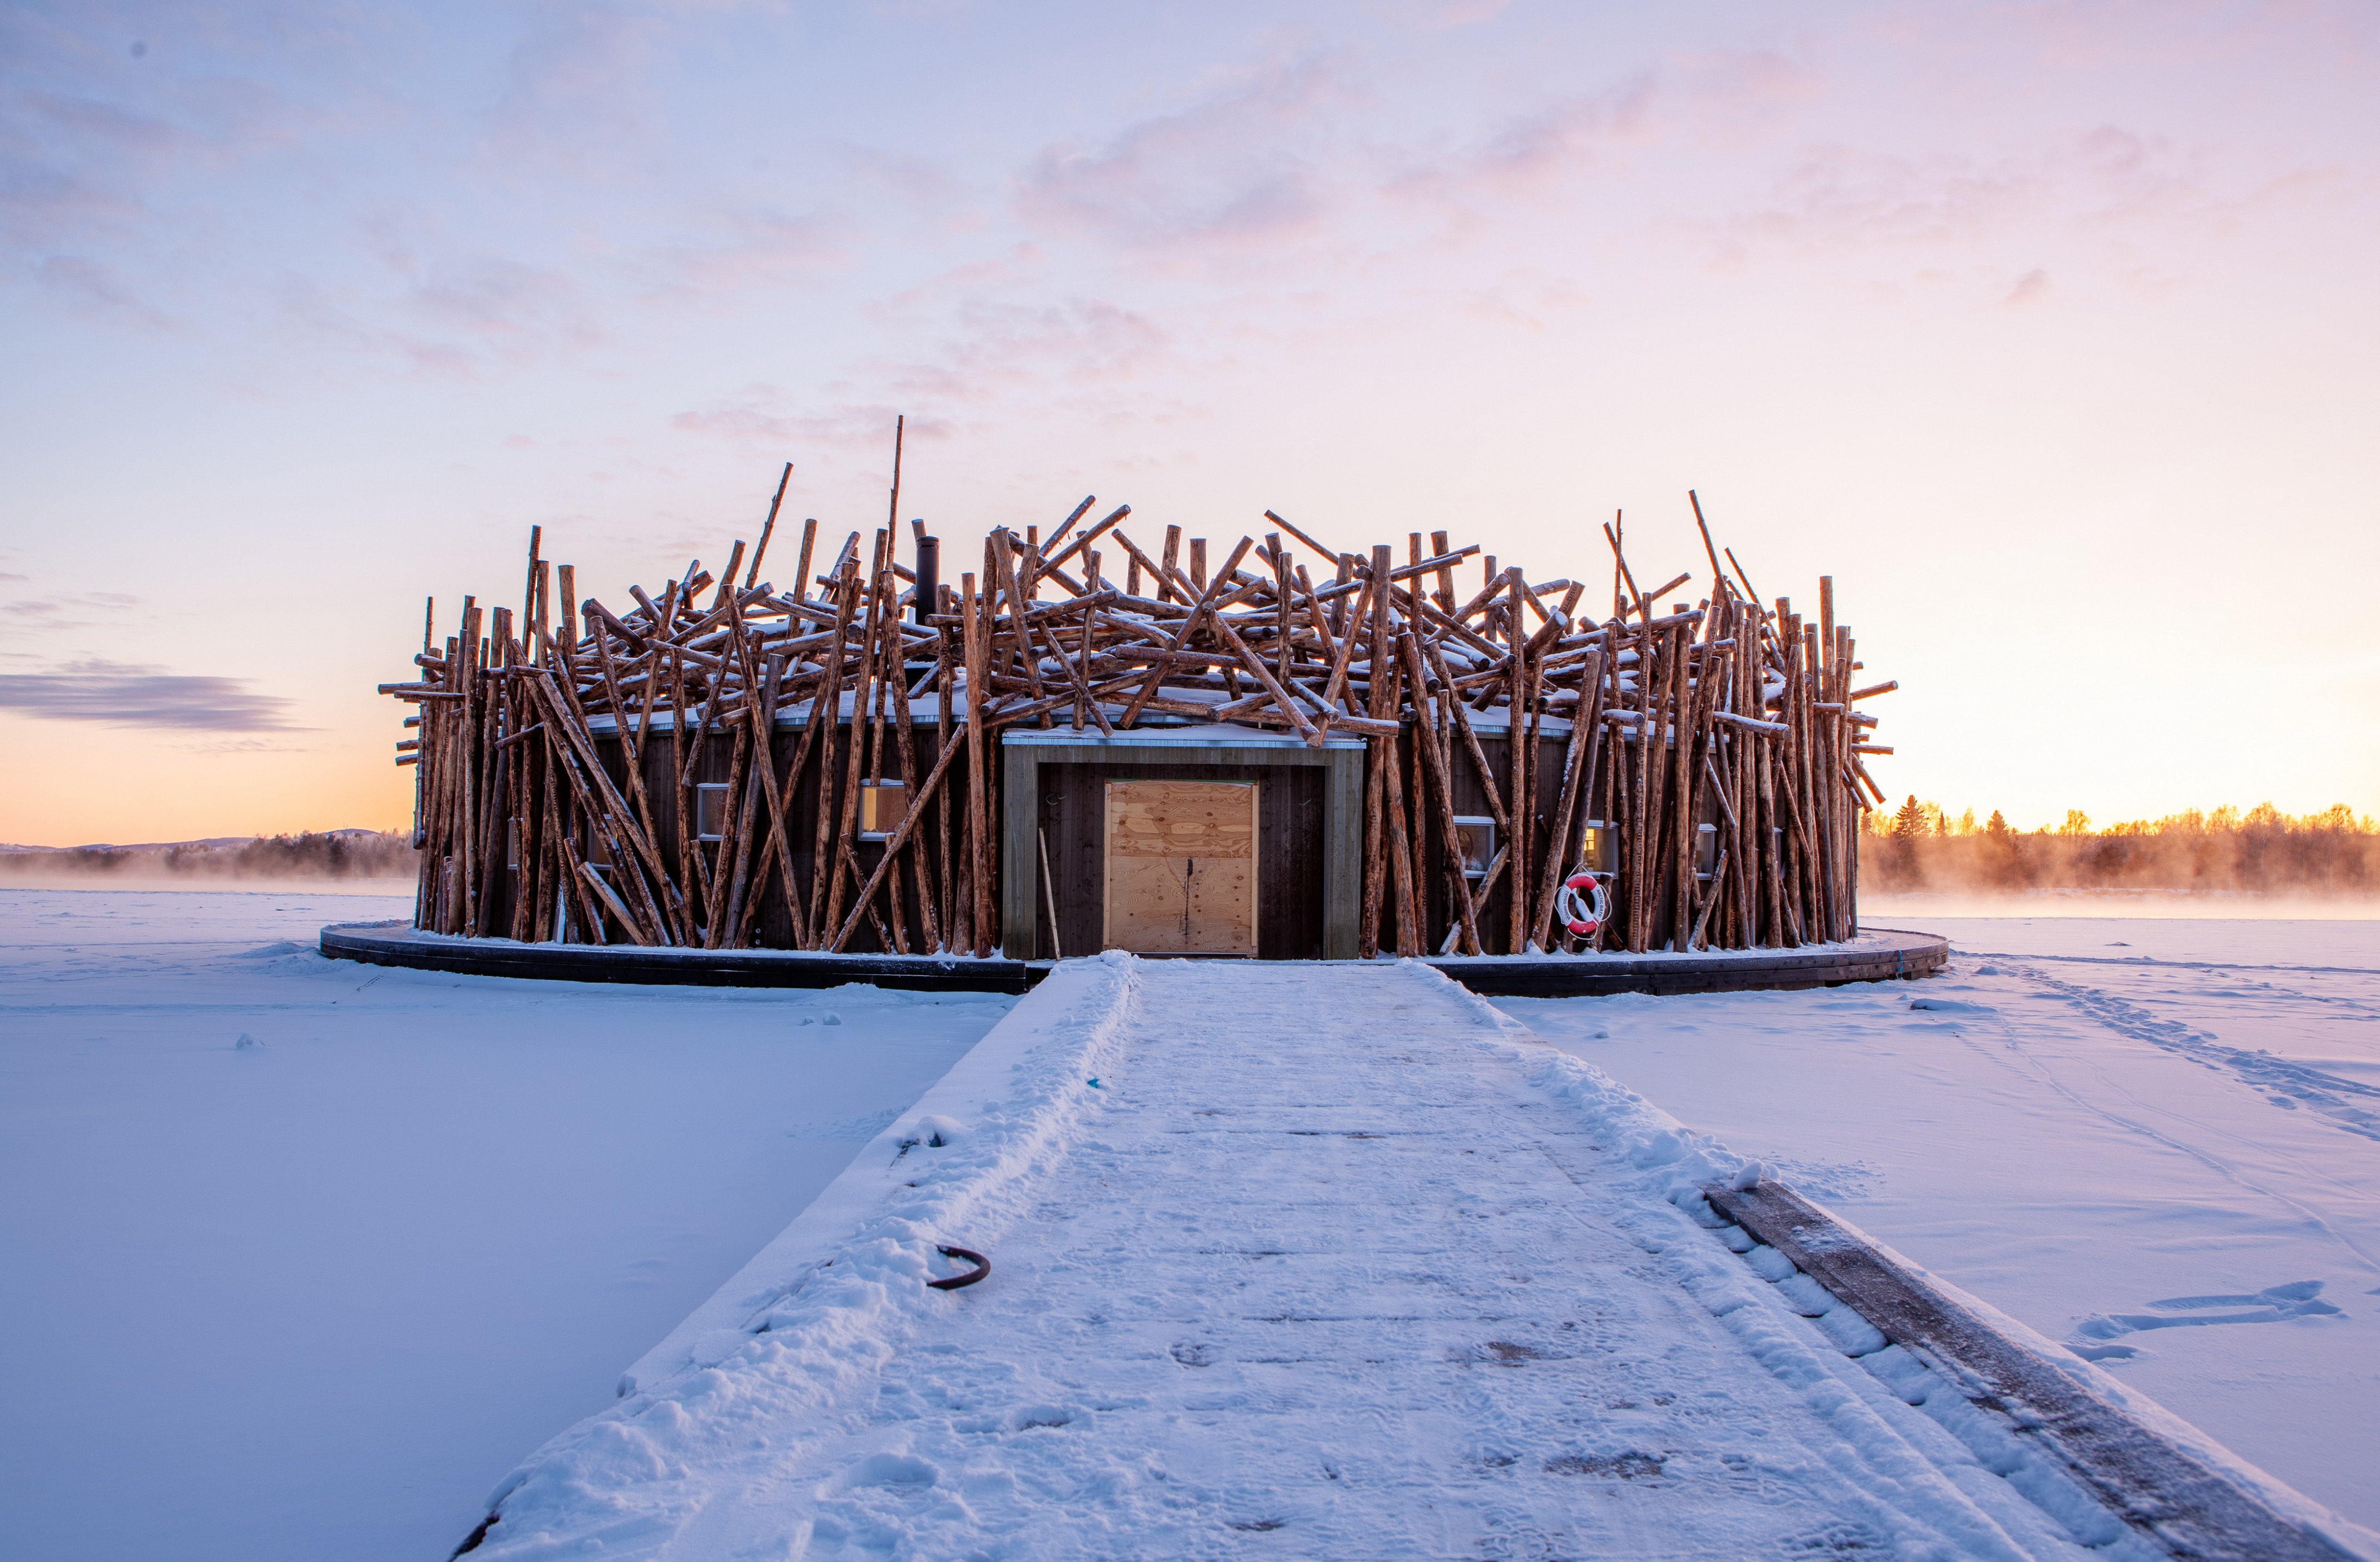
1328, 1260
1335, 1261
1868, 940
2156, 1140
313, 1296
1200, 735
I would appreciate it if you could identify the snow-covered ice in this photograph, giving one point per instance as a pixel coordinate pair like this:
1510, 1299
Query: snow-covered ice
1323, 1264
1317, 1262
312, 1297
2157, 1140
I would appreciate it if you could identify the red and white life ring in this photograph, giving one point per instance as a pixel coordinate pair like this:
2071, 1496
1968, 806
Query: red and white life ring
1583, 904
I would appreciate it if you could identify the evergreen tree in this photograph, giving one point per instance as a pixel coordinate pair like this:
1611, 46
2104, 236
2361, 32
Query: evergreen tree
2004, 862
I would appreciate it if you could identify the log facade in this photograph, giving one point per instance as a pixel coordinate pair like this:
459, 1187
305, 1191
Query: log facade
1299, 753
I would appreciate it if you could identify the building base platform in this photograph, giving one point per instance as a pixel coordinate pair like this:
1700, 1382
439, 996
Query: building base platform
1877, 955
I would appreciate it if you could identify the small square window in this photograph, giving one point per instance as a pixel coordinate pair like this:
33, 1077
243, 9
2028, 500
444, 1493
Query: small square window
1705, 850
710, 812
883, 806
1475, 843
1600, 847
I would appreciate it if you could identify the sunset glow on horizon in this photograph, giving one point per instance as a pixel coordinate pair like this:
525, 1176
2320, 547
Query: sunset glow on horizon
2045, 330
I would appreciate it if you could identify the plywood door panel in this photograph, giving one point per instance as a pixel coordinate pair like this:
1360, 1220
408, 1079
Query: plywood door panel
1290, 809
1181, 867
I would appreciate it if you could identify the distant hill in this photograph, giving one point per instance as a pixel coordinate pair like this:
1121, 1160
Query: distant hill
160, 845
328, 854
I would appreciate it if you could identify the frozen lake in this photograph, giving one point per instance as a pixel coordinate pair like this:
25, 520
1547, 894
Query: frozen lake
2128, 1133
313, 1298
316, 1295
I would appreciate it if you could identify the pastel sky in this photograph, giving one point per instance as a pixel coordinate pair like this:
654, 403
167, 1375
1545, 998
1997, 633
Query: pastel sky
2048, 330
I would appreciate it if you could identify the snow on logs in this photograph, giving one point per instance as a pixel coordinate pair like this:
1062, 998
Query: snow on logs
1715, 752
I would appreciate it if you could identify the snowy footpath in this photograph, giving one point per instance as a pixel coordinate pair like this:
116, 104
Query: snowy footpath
1290, 1262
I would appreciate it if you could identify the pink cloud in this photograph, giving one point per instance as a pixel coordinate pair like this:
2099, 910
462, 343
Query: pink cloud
578, 85
90, 286
459, 319
93, 143
760, 414
965, 280
1528, 150
1000, 346
753, 415
506, 308
744, 248
1227, 170
920, 180
2119, 186
1836, 193
119, 129
1724, 94
2031, 288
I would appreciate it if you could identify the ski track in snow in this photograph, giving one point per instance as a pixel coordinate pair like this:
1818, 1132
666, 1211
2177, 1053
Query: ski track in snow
1337, 1264
2200, 1138
2286, 1083
2139, 962
2170, 1160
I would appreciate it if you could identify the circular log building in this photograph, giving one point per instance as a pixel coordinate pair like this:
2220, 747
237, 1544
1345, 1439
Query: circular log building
1274, 750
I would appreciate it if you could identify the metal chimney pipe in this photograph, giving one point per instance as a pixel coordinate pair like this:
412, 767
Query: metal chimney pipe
930, 572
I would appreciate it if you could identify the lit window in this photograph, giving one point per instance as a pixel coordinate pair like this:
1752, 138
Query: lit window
1600, 847
883, 806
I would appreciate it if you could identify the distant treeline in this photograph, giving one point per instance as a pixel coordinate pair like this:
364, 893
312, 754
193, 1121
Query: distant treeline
2263, 852
340, 854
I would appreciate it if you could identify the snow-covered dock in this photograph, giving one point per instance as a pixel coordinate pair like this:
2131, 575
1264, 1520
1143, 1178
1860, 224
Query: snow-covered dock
1283, 1267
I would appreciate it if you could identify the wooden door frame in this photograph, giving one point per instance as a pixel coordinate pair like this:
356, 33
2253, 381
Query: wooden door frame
1022, 753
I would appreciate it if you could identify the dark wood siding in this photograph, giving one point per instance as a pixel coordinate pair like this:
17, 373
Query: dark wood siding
1071, 811
774, 927
1471, 799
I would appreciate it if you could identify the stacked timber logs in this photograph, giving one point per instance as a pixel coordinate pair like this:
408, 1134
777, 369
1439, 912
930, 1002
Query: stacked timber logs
1704, 760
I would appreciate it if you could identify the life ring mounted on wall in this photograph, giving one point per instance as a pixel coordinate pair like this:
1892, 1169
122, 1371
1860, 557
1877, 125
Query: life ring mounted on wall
1584, 904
